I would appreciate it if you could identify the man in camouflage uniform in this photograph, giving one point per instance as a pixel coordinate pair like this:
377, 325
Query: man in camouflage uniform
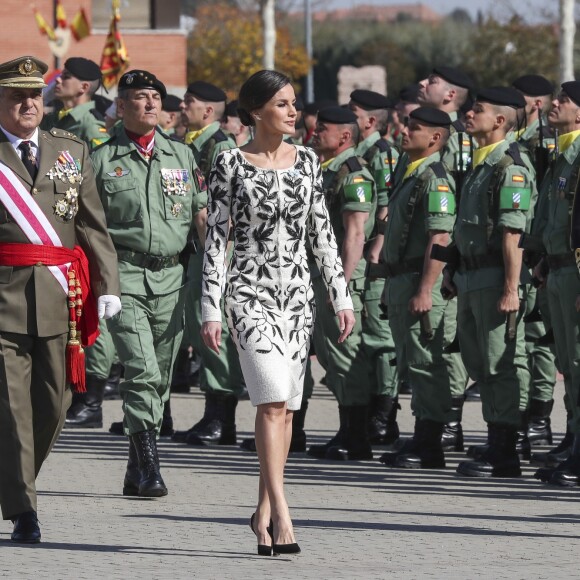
351, 199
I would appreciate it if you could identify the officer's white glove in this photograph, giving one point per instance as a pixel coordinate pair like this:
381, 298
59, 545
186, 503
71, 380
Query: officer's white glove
108, 305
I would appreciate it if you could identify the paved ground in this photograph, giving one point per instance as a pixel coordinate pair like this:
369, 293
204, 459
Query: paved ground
355, 520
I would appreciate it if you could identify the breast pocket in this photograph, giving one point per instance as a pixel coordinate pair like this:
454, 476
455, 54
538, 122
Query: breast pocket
122, 201
178, 207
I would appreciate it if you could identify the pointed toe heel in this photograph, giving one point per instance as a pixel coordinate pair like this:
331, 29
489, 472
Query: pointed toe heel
263, 549
280, 549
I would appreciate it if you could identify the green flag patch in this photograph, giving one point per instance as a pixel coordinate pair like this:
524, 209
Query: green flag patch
515, 198
361, 192
383, 178
441, 202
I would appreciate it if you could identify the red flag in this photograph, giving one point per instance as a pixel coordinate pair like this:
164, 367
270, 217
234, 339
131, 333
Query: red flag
80, 26
114, 60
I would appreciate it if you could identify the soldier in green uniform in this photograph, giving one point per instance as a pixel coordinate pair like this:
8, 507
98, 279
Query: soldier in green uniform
407, 102
372, 112
563, 284
221, 377
421, 214
351, 198
75, 88
231, 124
447, 89
170, 114
538, 140
152, 193
493, 212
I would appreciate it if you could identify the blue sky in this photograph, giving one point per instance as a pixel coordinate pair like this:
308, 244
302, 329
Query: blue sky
530, 9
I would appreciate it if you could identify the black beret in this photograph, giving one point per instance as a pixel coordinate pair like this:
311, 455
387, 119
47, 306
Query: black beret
431, 117
453, 76
534, 85
503, 96
83, 68
313, 108
141, 79
207, 92
336, 115
232, 109
572, 89
370, 100
299, 104
170, 104
410, 93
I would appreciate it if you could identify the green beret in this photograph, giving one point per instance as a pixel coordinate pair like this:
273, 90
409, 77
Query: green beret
431, 117
171, 103
453, 76
534, 85
572, 89
503, 96
83, 69
370, 100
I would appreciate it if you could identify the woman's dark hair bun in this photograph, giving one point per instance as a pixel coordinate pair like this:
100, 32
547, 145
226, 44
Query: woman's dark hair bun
246, 118
257, 91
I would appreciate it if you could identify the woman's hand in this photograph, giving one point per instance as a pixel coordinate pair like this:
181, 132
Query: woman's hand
211, 333
345, 323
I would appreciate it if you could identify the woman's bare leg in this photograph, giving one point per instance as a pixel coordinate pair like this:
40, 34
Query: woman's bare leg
272, 444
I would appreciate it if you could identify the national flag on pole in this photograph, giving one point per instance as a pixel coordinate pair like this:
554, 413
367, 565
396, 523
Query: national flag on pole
60, 15
43, 25
114, 60
80, 26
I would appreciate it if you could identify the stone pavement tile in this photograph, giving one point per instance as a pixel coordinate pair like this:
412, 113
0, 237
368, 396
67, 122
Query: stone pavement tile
353, 520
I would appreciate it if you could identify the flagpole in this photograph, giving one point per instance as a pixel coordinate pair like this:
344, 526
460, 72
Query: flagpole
54, 24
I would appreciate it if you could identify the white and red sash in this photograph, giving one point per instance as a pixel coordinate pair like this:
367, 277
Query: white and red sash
30, 218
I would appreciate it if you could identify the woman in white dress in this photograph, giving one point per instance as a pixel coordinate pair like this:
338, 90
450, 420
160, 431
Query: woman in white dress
270, 192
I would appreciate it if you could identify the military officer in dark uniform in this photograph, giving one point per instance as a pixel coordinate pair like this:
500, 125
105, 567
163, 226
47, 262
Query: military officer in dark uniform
51, 174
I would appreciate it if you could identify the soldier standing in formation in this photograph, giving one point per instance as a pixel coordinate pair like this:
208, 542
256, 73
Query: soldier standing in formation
351, 198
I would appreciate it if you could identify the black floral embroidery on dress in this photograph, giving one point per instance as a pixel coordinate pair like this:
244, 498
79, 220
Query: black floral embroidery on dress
268, 293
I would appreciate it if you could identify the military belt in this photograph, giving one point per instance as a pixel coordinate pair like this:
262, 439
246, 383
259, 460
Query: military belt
147, 261
414, 265
478, 262
557, 261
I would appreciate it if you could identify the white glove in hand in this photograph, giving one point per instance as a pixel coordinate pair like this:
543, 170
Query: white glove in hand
108, 305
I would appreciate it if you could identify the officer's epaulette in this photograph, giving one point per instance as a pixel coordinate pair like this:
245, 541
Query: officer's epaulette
65, 134
108, 141
98, 116
382, 145
438, 169
514, 152
219, 136
353, 164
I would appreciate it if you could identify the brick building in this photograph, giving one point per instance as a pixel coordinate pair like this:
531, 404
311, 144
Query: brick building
150, 29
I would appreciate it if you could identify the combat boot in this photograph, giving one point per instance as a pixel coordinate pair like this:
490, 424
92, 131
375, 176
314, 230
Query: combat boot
151, 483
383, 426
357, 446
500, 459
557, 455
209, 414
476, 451
87, 412
221, 430
452, 437
112, 386
523, 446
567, 474
473, 392
539, 425
423, 451
132, 474
319, 451
166, 429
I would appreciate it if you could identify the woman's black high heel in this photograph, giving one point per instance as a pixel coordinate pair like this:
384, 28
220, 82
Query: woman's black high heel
263, 549
279, 549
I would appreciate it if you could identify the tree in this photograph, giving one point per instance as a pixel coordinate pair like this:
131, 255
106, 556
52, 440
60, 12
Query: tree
226, 47
568, 30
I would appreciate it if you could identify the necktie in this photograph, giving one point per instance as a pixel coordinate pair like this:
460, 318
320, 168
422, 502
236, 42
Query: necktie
28, 158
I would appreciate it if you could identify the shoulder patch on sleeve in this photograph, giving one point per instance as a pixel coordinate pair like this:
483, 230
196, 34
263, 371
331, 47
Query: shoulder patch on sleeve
359, 191
383, 177
515, 198
441, 201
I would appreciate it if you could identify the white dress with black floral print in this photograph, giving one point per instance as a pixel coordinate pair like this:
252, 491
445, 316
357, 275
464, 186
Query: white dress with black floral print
269, 301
